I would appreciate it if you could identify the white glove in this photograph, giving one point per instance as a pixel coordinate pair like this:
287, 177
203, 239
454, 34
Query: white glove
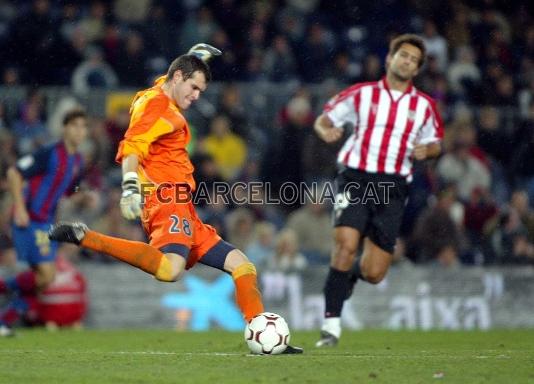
204, 51
131, 196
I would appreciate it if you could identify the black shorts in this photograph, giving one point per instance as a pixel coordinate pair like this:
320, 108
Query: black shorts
372, 203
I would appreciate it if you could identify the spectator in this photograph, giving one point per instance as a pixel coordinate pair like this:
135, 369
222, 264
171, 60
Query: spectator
256, 41
505, 95
457, 30
253, 68
287, 257
225, 68
312, 225
520, 203
93, 72
93, 25
112, 44
228, 12
115, 127
316, 54
290, 24
526, 98
227, 149
4, 125
29, 131
71, 52
372, 69
461, 129
131, 65
215, 212
279, 62
9, 157
463, 169
436, 235
158, 33
342, 69
480, 212
231, 106
95, 151
240, 224
510, 242
492, 137
206, 171
286, 153
198, 27
436, 45
34, 32
262, 247
522, 161
132, 12
463, 73
10, 77
68, 24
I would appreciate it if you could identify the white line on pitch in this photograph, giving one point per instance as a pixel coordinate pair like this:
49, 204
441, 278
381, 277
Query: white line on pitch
226, 354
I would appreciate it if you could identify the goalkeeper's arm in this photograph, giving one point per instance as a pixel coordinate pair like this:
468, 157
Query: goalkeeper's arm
131, 193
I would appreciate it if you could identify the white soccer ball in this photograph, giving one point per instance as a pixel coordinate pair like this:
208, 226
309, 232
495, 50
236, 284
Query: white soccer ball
267, 334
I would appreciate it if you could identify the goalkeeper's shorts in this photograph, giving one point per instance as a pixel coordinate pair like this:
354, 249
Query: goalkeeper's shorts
174, 227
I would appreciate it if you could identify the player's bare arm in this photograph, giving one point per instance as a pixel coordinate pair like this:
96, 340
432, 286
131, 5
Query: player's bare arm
15, 183
426, 151
325, 129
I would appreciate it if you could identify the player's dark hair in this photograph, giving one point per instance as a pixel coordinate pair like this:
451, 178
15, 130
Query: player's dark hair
188, 65
411, 39
73, 115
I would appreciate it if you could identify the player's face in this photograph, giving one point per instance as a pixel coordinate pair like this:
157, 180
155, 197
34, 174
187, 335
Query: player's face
76, 131
404, 64
188, 91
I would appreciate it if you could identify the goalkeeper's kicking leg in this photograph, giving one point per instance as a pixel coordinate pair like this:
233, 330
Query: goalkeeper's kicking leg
170, 265
163, 266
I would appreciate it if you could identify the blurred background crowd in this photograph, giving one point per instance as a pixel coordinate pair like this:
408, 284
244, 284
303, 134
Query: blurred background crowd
282, 60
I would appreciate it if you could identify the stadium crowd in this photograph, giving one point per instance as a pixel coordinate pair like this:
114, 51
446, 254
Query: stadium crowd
472, 206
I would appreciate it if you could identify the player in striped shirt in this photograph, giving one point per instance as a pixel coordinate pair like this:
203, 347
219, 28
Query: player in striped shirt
392, 124
50, 174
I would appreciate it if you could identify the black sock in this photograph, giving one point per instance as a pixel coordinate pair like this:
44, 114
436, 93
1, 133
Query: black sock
335, 291
356, 272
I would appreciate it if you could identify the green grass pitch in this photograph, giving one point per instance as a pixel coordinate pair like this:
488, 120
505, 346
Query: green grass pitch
148, 356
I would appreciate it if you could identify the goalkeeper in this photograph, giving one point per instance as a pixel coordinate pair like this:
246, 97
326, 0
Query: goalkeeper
155, 164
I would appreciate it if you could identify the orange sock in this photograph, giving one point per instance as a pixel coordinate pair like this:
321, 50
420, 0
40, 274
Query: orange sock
136, 253
247, 294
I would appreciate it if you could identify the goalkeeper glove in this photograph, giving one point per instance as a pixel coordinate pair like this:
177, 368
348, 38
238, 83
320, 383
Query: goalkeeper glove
131, 196
204, 51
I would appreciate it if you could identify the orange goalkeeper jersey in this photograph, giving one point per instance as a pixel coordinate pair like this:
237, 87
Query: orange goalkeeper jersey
158, 134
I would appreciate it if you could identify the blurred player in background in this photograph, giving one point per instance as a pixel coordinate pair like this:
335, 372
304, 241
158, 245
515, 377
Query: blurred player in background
155, 164
393, 123
63, 303
50, 173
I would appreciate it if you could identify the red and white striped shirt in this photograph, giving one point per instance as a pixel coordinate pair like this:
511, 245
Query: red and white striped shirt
387, 126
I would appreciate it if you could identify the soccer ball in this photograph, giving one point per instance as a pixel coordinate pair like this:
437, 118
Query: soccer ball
267, 334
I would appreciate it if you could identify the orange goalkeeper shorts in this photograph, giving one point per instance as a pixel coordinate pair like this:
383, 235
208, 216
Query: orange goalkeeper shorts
174, 227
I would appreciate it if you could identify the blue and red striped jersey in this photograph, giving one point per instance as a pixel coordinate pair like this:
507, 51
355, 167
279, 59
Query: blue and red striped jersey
51, 172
